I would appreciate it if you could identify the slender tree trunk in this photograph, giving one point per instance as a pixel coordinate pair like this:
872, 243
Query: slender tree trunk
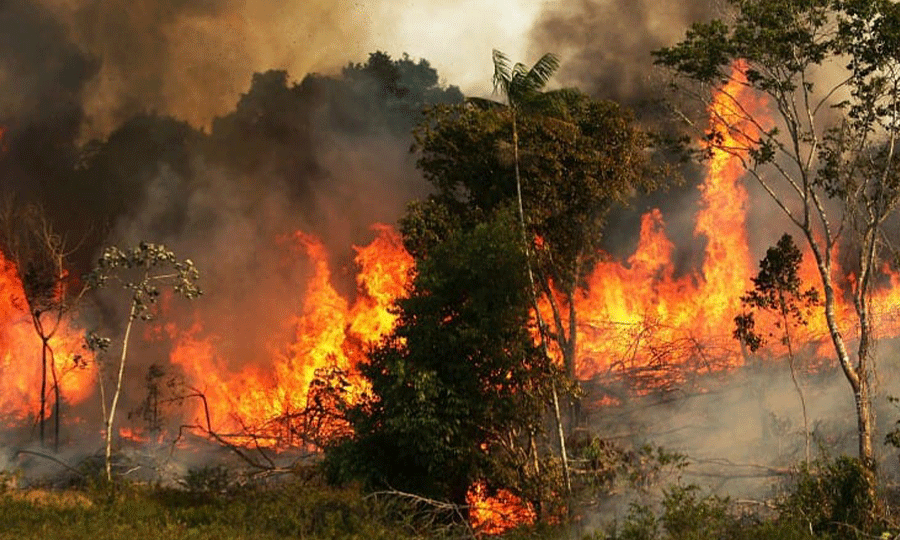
864, 414
800, 394
115, 401
864, 425
43, 412
562, 442
857, 376
570, 350
100, 375
534, 297
56, 395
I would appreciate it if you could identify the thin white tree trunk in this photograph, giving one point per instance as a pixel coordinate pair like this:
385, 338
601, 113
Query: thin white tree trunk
115, 401
800, 394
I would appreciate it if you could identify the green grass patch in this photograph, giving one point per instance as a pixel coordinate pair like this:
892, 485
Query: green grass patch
290, 510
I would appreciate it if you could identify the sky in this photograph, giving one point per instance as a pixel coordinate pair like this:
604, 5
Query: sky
458, 37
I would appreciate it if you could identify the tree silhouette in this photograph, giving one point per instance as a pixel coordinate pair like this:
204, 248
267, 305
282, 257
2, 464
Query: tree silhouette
779, 289
40, 254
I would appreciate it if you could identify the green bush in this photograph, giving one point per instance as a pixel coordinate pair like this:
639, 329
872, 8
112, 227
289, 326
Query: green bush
833, 498
208, 479
687, 516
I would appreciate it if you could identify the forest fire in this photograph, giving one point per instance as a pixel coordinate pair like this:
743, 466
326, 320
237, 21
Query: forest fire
494, 514
638, 317
330, 333
20, 356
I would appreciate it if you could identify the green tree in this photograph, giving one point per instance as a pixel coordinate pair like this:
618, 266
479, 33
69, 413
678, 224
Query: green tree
570, 160
830, 72
143, 271
459, 384
778, 288
576, 157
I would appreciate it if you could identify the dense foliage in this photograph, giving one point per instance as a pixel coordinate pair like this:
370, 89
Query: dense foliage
459, 383
577, 158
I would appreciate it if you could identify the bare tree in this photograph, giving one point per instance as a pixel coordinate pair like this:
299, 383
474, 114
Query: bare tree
39, 253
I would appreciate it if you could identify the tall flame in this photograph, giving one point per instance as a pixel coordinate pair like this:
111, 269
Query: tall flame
639, 313
329, 332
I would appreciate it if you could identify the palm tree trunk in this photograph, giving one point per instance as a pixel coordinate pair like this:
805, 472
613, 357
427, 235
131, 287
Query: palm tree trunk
43, 412
534, 297
56, 397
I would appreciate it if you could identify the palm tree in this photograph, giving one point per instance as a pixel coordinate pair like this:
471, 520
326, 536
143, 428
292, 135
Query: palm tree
522, 87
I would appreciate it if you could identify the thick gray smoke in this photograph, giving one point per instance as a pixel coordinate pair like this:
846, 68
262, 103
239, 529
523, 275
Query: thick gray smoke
606, 44
605, 47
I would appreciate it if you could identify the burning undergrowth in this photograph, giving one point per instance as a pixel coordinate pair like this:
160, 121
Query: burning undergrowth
261, 204
266, 203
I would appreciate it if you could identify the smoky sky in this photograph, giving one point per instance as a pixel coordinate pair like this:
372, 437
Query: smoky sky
192, 58
606, 45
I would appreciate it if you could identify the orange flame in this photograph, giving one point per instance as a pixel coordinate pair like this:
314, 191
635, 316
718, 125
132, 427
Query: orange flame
640, 314
640, 317
329, 332
495, 514
20, 355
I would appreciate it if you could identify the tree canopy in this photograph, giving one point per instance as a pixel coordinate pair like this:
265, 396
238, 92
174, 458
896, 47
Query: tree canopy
577, 161
460, 381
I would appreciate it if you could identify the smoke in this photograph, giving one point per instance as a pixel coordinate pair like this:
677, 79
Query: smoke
606, 44
43, 76
742, 431
192, 58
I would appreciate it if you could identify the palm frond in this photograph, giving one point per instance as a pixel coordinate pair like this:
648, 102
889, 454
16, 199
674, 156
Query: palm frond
502, 72
519, 83
542, 70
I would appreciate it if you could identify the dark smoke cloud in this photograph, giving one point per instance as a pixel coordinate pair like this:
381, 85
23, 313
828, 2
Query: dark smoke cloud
605, 45
42, 81
605, 48
192, 58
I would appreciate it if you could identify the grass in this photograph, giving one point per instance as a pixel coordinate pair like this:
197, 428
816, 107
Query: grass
824, 503
136, 512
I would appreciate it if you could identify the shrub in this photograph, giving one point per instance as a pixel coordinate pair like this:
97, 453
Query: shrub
833, 498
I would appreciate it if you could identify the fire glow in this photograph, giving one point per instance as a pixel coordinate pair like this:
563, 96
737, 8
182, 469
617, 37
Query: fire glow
20, 353
633, 315
329, 332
